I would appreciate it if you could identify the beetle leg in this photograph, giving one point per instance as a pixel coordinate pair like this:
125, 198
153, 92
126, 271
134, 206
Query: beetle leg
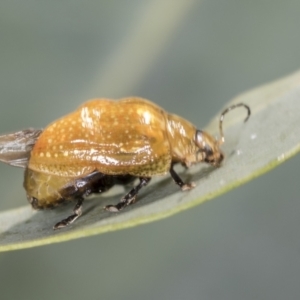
178, 181
77, 212
130, 197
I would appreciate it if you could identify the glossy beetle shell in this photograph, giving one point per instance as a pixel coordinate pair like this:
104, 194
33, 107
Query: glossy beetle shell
128, 136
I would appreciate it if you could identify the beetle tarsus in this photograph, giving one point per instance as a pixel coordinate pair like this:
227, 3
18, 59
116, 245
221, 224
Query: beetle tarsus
178, 181
77, 212
188, 186
130, 198
120, 205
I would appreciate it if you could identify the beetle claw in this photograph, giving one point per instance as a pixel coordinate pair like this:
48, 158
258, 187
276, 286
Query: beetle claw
188, 186
129, 198
124, 202
178, 181
65, 222
111, 208
69, 220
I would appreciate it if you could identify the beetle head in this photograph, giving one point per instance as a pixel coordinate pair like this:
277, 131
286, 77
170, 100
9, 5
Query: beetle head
190, 145
208, 148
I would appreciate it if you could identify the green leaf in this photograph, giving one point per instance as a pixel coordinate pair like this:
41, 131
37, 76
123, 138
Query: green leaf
271, 136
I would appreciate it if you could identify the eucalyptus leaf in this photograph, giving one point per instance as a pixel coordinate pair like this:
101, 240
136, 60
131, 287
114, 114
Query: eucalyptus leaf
271, 136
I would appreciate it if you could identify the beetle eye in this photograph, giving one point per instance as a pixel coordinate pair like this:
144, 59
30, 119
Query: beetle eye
202, 144
199, 138
208, 151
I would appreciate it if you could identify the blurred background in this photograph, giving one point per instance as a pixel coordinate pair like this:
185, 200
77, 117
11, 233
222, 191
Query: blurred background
190, 57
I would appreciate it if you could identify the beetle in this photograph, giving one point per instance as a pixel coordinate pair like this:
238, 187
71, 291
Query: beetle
106, 142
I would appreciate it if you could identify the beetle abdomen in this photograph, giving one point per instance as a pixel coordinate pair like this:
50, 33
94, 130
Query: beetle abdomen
113, 137
44, 190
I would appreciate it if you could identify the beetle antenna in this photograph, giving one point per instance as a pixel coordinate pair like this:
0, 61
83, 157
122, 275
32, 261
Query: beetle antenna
222, 139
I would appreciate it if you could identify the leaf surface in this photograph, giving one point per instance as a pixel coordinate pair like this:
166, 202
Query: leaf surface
271, 136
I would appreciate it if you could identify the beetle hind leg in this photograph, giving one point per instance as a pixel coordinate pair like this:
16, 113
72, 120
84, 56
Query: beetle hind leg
178, 181
129, 198
77, 212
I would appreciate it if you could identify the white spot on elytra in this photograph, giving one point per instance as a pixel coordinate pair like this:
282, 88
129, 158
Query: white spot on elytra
147, 117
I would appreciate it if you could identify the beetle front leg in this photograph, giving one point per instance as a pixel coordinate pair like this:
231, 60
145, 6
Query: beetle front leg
130, 197
77, 212
178, 181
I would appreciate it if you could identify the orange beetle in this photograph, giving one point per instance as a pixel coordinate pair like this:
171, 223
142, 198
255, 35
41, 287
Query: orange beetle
105, 142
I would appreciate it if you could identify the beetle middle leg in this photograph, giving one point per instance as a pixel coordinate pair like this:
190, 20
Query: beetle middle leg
130, 197
178, 181
77, 212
